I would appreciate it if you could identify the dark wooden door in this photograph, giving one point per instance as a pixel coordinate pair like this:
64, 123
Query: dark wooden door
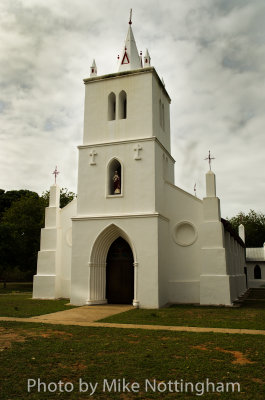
120, 273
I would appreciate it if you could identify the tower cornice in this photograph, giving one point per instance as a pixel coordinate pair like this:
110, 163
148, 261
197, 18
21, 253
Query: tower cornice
124, 74
120, 142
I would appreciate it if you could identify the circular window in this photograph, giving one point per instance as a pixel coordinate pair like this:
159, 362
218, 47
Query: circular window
184, 233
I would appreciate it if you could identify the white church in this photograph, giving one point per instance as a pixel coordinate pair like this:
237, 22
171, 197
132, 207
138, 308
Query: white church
131, 236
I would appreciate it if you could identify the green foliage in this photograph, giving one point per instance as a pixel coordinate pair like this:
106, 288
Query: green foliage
22, 222
7, 198
65, 197
254, 223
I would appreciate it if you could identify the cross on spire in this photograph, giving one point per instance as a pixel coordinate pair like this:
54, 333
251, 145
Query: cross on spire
195, 190
55, 173
209, 158
130, 22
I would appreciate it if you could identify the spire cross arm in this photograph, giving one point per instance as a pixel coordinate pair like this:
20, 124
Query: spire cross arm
55, 173
130, 22
209, 158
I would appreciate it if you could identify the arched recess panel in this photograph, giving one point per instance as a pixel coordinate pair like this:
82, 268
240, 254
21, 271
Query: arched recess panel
122, 105
257, 272
120, 273
111, 106
114, 175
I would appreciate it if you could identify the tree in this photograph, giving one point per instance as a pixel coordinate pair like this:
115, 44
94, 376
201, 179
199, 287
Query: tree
6, 251
65, 197
23, 220
7, 198
254, 223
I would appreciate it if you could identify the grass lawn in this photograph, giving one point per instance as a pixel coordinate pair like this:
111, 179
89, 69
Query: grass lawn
250, 316
67, 354
22, 306
16, 287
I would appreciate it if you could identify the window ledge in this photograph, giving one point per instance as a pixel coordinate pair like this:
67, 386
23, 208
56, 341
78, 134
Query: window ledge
113, 196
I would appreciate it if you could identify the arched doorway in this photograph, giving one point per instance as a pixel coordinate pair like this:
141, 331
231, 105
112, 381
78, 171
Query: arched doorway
257, 272
120, 273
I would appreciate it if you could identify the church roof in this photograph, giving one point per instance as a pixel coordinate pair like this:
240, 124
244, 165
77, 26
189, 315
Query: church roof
129, 58
255, 254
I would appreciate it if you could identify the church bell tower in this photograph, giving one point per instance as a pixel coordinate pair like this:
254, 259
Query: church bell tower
124, 157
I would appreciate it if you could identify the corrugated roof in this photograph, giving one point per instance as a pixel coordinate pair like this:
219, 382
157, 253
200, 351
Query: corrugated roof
255, 254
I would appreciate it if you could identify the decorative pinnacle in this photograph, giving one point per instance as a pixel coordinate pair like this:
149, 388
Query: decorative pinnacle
130, 22
209, 158
55, 173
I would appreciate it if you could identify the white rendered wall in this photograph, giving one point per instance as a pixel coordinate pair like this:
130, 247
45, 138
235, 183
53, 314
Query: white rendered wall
67, 213
138, 180
46, 283
142, 237
141, 107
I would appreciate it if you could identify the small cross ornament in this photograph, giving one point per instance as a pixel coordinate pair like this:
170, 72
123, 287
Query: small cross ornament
209, 158
55, 173
137, 149
93, 155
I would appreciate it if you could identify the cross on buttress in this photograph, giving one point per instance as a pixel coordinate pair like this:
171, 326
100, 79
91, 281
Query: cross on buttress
137, 149
209, 158
93, 155
55, 173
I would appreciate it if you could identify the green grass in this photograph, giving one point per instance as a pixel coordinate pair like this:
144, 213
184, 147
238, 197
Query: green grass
250, 316
23, 306
67, 353
16, 287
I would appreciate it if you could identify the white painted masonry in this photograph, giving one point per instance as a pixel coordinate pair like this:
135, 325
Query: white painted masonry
182, 249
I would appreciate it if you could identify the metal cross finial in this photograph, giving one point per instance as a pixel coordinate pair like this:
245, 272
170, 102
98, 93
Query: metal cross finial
55, 173
209, 158
195, 190
130, 22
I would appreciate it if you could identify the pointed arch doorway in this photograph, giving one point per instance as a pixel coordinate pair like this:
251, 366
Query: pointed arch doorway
120, 273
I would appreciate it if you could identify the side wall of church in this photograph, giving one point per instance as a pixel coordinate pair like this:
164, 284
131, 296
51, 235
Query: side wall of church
235, 259
184, 249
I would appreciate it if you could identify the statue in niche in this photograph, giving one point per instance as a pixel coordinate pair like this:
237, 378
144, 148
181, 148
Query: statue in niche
116, 183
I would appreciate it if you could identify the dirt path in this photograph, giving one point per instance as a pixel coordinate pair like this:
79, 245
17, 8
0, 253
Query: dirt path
87, 315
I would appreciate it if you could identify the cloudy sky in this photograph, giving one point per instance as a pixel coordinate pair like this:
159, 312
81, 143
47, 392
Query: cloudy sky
210, 53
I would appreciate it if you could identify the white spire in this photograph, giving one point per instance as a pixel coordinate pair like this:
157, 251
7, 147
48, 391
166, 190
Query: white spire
93, 69
129, 58
147, 59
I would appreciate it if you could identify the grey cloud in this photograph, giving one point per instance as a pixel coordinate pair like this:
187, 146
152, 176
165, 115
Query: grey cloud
210, 54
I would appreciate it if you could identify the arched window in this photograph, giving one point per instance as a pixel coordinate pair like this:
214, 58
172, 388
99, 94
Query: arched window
114, 178
257, 272
122, 105
111, 107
